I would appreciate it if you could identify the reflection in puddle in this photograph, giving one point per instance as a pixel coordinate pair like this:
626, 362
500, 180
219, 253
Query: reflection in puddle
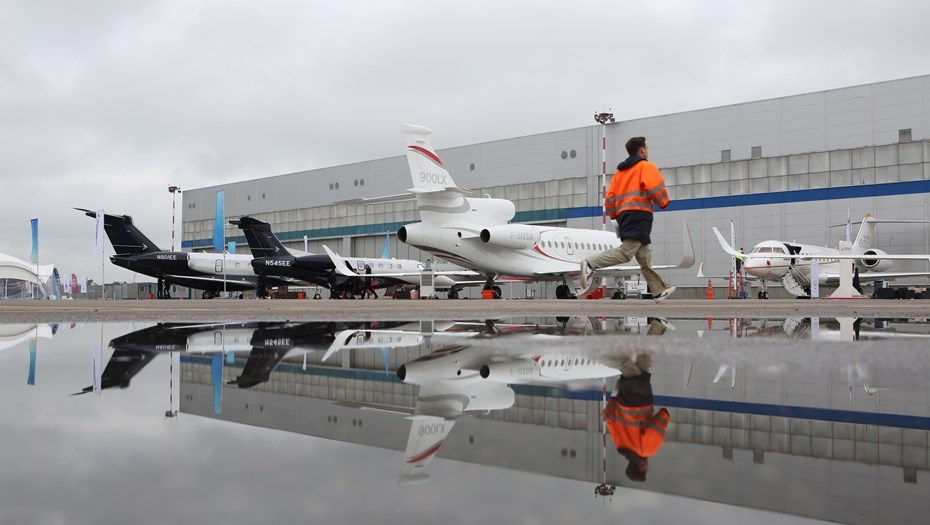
813, 417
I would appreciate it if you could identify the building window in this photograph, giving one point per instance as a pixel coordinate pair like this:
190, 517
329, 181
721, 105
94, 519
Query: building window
725, 155
904, 135
756, 152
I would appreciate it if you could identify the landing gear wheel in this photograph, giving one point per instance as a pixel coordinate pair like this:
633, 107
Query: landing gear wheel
562, 292
453, 294
497, 292
618, 294
765, 295
207, 294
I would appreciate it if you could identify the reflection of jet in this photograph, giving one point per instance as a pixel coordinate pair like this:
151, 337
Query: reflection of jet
463, 375
267, 344
210, 272
476, 232
790, 262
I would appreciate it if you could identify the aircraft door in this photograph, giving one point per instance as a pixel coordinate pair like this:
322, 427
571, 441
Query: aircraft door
218, 265
569, 246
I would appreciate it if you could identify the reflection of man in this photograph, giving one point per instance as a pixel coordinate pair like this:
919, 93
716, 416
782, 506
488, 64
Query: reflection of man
636, 429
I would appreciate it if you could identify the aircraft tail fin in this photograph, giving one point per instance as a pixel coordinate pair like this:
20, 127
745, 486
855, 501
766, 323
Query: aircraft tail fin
426, 169
865, 239
123, 234
262, 241
426, 436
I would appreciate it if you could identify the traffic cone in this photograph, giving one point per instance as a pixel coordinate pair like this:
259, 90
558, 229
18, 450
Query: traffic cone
710, 290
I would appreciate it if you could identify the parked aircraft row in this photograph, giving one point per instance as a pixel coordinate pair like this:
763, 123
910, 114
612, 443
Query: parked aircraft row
475, 233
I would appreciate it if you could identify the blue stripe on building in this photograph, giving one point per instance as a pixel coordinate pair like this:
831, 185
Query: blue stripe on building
736, 407
730, 201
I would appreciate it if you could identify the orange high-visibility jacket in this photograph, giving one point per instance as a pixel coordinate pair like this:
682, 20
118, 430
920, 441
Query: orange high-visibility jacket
636, 428
636, 188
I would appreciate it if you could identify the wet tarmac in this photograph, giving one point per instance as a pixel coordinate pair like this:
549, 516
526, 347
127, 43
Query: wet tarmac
310, 310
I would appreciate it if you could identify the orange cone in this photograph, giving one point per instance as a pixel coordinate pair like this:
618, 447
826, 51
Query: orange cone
710, 290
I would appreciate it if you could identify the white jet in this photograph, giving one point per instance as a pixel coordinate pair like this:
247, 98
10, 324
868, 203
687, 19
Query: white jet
790, 262
476, 233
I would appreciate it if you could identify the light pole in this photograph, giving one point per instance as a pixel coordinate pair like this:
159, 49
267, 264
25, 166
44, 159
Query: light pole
173, 189
602, 119
171, 412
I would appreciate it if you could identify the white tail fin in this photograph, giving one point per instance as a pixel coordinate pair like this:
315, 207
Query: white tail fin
866, 236
426, 169
426, 436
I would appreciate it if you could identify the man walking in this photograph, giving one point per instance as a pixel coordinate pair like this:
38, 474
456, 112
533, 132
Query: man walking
635, 187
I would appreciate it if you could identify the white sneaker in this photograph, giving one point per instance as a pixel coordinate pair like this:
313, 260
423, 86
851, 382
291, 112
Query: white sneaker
665, 294
586, 274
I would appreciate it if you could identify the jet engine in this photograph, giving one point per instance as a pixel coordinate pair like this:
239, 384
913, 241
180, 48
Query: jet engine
873, 264
418, 235
517, 236
511, 371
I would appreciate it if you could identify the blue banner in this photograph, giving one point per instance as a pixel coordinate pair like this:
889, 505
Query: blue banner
31, 380
219, 233
35, 241
216, 367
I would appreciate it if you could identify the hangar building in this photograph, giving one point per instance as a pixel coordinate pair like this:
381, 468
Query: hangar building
785, 168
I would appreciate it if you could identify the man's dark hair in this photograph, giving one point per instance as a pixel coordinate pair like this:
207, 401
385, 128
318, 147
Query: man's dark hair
633, 145
634, 473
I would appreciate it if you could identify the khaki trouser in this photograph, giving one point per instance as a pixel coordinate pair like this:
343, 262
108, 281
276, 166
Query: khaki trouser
627, 250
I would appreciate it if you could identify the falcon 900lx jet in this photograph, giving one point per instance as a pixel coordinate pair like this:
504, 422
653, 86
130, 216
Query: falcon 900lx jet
210, 272
476, 233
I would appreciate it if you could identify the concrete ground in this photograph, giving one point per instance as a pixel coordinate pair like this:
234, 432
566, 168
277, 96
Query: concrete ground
403, 310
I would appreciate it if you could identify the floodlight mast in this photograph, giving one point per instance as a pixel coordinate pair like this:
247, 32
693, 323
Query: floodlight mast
603, 119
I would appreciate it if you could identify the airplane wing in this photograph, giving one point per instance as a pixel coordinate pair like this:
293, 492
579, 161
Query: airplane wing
343, 269
876, 276
855, 257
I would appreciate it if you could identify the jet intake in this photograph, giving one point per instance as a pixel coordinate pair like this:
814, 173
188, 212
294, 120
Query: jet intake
516, 236
416, 234
874, 264
512, 371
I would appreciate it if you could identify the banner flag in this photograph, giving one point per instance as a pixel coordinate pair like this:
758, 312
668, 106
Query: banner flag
98, 236
31, 380
74, 284
34, 258
232, 247
83, 284
216, 367
219, 232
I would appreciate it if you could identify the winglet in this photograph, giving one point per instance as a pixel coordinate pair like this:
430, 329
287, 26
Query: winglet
687, 259
339, 341
339, 263
724, 244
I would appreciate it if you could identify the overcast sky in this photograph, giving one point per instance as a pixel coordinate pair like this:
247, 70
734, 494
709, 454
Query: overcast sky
104, 104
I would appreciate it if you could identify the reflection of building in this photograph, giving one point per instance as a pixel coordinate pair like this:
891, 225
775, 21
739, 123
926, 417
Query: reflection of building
776, 443
22, 280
